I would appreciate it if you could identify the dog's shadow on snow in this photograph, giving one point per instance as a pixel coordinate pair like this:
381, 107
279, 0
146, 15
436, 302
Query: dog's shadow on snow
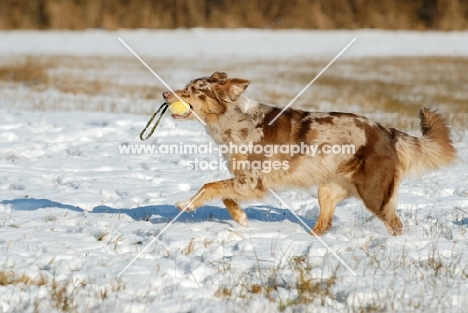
157, 214
165, 213
31, 204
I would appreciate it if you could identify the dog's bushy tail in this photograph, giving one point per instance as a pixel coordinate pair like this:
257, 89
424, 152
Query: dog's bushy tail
429, 152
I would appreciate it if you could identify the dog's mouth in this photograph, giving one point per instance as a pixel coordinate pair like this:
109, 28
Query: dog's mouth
182, 116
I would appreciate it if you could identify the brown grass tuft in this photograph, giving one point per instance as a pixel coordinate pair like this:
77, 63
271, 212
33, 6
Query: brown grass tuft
10, 278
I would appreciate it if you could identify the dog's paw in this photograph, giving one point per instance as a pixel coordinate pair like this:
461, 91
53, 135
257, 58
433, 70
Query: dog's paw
185, 205
243, 220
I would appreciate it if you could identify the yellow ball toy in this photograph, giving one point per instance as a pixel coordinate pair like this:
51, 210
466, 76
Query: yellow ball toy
179, 108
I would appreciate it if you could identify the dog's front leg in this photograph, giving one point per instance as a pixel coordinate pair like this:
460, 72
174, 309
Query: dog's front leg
239, 188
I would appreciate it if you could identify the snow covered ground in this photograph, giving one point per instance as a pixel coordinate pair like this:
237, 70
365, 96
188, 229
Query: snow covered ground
74, 211
241, 43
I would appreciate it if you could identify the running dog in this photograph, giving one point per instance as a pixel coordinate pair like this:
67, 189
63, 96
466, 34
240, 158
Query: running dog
372, 172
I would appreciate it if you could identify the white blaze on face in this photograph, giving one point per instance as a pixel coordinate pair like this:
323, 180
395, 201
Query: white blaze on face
246, 104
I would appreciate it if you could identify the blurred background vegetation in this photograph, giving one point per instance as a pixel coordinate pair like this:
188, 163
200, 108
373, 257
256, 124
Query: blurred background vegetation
307, 14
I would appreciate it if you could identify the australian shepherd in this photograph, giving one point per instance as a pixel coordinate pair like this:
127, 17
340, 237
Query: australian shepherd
380, 159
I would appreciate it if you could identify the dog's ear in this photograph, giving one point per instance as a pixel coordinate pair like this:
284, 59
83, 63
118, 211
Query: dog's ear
219, 75
232, 89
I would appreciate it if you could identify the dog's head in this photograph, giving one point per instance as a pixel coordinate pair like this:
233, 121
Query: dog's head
208, 97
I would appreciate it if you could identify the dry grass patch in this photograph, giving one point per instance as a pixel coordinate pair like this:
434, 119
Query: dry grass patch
10, 278
288, 284
29, 71
374, 85
89, 76
396, 84
62, 296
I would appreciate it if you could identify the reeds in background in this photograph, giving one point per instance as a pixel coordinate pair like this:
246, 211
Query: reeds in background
307, 14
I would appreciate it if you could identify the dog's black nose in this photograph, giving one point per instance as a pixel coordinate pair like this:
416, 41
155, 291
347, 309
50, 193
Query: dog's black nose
166, 94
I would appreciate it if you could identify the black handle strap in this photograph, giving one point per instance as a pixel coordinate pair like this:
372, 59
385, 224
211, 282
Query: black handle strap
164, 107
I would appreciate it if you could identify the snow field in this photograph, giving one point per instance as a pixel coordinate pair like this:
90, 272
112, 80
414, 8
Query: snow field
74, 211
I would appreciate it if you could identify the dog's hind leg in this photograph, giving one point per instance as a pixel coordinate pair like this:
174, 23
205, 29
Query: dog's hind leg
390, 218
329, 196
381, 199
387, 212
235, 211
